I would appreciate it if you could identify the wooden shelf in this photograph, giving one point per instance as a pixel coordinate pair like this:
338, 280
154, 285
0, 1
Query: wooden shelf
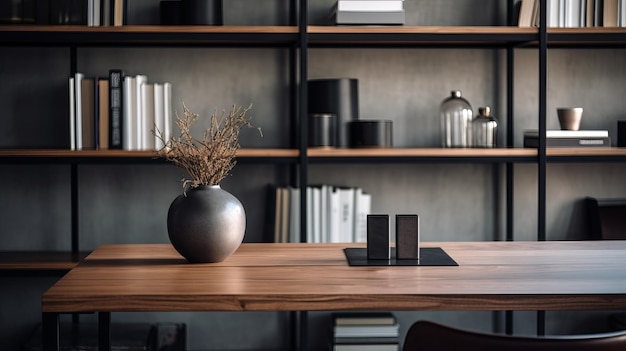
65, 156
422, 154
39, 260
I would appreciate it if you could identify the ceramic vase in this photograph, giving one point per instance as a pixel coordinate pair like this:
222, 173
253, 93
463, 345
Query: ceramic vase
206, 224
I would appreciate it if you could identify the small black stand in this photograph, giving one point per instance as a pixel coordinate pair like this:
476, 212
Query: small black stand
429, 256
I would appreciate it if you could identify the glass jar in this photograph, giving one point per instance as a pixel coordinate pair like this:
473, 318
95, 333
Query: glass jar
456, 120
484, 129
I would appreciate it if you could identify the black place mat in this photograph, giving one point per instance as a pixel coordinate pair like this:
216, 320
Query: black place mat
429, 256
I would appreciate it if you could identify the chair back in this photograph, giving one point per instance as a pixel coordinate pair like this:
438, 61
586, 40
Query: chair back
429, 336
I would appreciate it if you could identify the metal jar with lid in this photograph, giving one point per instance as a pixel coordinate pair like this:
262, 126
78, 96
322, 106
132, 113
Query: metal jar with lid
456, 120
484, 129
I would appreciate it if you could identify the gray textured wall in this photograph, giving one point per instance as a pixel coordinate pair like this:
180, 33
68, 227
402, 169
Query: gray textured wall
457, 202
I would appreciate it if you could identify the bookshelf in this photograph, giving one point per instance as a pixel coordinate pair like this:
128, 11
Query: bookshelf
306, 36
298, 39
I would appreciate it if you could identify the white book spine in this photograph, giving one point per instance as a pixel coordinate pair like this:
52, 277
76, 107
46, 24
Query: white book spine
317, 214
78, 82
553, 13
333, 215
147, 116
130, 97
363, 203
138, 120
346, 215
159, 114
167, 111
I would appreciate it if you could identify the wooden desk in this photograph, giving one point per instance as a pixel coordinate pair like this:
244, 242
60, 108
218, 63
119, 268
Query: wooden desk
582, 275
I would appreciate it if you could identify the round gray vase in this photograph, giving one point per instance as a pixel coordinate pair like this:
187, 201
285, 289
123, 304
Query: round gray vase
206, 224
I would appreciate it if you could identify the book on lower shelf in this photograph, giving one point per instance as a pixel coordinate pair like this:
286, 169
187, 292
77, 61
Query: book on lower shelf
569, 138
369, 12
377, 331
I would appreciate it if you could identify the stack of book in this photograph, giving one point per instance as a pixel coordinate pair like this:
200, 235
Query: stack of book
335, 214
372, 12
574, 13
569, 138
119, 112
365, 332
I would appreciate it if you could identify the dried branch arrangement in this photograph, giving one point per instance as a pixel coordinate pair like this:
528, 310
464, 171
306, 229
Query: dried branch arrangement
210, 159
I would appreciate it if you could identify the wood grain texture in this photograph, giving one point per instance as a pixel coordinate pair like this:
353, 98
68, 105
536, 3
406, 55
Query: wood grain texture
287, 277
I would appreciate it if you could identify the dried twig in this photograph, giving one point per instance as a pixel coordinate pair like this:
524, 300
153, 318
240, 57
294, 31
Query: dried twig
208, 160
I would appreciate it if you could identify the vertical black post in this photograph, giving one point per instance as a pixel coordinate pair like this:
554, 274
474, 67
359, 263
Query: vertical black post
50, 331
300, 339
542, 157
302, 116
510, 143
74, 207
104, 331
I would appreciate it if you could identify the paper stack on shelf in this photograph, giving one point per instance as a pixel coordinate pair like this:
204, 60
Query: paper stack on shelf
569, 138
365, 332
390, 12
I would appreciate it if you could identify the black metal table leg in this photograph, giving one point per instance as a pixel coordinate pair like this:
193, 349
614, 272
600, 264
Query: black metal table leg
104, 331
50, 331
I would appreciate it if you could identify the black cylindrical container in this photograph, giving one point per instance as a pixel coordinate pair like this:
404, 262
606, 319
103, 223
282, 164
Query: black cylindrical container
203, 12
370, 133
621, 133
322, 130
171, 12
337, 96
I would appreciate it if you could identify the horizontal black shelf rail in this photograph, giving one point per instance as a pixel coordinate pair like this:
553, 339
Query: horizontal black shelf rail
435, 40
586, 158
95, 38
129, 160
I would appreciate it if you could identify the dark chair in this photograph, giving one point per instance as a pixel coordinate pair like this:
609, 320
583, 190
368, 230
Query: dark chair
429, 336
607, 218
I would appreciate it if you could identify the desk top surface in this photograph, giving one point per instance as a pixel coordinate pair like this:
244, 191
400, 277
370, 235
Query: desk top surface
559, 275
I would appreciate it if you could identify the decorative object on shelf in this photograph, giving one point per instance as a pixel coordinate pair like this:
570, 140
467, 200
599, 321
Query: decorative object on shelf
206, 223
370, 133
337, 96
456, 118
203, 12
171, 12
570, 117
68, 12
322, 130
484, 129
621, 133
17, 11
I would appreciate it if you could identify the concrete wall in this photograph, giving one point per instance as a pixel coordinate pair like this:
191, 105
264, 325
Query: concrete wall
457, 202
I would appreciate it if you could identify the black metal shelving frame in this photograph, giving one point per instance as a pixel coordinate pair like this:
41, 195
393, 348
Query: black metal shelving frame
298, 38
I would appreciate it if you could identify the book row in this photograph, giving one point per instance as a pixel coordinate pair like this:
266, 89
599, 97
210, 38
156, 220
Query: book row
119, 112
574, 13
335, 214
376, 331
